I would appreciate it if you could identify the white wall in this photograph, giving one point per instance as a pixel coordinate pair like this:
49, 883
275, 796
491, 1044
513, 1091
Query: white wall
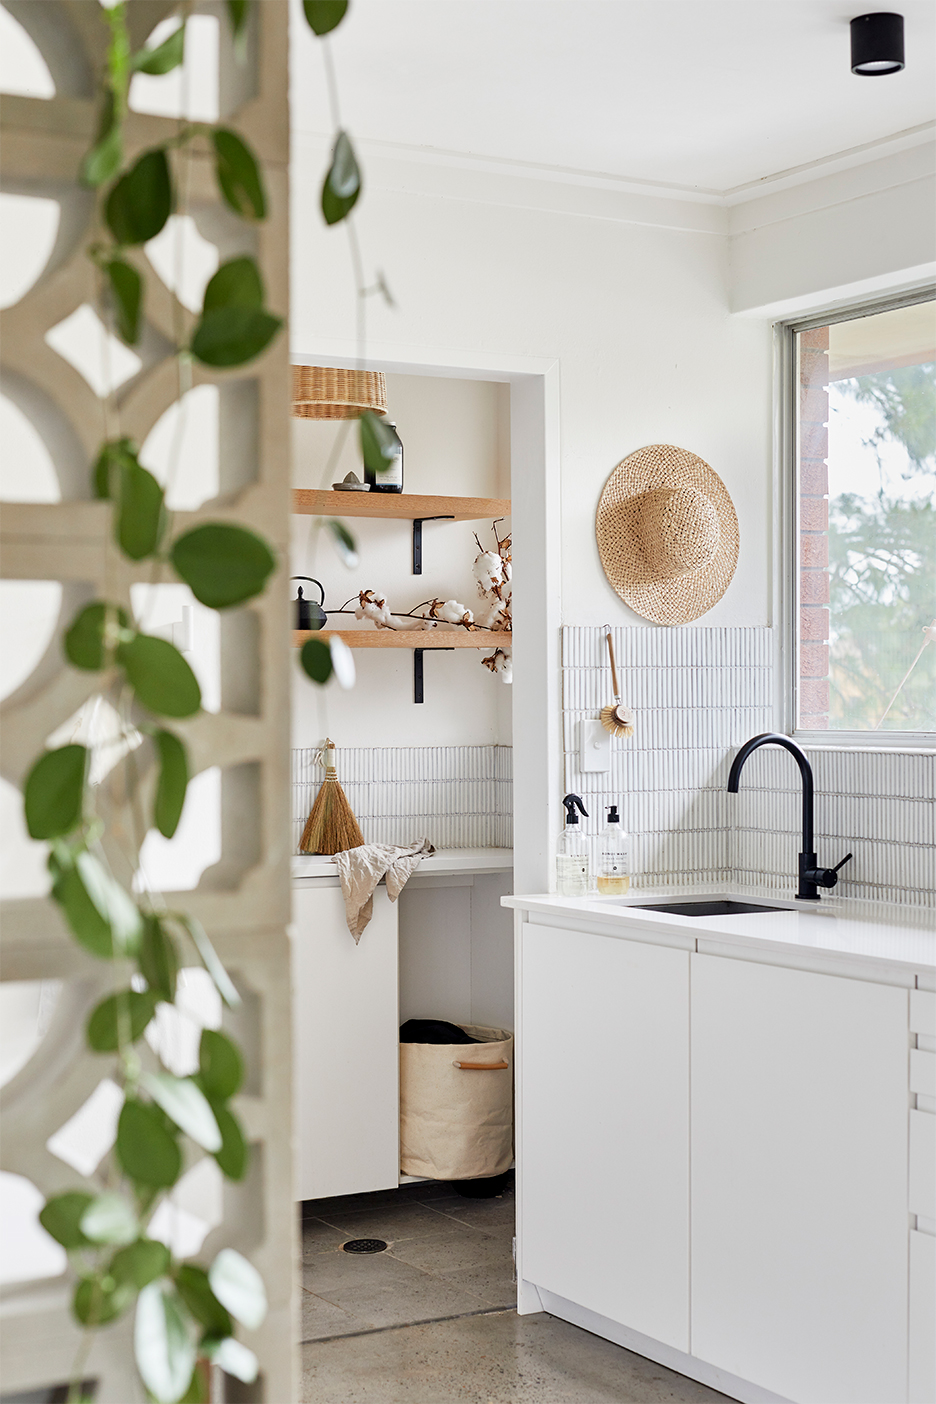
456, 442
630, 297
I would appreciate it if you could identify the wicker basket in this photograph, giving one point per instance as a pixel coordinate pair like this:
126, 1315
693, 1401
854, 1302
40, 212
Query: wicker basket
322, 392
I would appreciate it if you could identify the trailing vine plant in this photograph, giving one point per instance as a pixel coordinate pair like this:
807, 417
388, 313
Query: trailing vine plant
186, 1312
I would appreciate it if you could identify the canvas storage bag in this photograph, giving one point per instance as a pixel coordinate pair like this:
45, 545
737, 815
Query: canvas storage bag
456, 1123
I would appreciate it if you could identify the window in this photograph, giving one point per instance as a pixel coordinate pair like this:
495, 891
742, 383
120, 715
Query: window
865, 514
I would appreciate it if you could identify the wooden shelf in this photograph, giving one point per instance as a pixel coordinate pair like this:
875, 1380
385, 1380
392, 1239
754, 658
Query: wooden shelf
409, 638
404, 506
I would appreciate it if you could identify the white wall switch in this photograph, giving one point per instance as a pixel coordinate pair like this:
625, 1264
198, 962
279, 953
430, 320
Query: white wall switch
594, 746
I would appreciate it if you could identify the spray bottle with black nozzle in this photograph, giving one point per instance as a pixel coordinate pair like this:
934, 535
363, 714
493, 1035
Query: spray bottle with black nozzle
572, 852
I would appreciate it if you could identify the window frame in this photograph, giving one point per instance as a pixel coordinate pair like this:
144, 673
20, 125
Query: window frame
786, 504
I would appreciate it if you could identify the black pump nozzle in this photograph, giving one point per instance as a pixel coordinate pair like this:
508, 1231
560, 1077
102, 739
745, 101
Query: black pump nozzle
570, 803
613, 816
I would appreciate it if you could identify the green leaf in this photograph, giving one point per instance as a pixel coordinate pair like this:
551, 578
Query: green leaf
222, 565
324, 15
237, 283
121, 1017
165, 1351
142, 1262
164, 58
234, 1155
173, 782
158, 959
146, 1149
238, 1286
231, 336
239, 177
185, 1103
345, 543
342, 184
233, 1358
160, 676
109, 1219
238, 10
316, 660
220, 1065
209, 958
141, 513
85, 645
380, 446
127, 291
101, 914
113, 458
97, 1301
195, 1391
195, 1290
141, 201
54, 792
103, 161
61, 1217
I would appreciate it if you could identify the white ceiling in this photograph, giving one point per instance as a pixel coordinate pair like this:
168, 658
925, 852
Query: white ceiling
703, 94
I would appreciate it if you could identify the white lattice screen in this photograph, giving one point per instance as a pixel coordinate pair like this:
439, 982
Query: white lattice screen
243, 898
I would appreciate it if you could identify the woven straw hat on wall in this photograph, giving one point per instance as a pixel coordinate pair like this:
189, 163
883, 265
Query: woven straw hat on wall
667, 534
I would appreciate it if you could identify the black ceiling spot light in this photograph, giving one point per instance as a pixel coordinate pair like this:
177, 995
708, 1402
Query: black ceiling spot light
877, 44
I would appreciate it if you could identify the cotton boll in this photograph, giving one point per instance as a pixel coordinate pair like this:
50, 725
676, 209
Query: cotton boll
454, 613
488, 570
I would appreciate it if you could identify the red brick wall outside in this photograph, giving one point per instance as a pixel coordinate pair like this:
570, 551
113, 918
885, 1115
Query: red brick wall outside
813, 498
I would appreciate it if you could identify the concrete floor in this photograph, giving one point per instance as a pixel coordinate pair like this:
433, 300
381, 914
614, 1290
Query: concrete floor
430, 1321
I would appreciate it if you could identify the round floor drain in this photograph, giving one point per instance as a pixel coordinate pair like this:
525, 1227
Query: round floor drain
364, 1245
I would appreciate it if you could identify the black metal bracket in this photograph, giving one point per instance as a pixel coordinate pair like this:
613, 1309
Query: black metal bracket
417, 540
418, 677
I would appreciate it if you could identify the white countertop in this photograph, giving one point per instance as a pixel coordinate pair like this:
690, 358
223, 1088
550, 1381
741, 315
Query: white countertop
855, 934
443, 863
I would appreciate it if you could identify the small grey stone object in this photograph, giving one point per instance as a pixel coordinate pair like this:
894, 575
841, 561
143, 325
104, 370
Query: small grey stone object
352, 483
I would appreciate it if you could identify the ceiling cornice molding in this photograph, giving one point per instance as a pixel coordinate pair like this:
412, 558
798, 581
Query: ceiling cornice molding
875, 166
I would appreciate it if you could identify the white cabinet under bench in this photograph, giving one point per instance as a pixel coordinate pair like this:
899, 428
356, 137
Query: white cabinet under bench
441, 951
725, 1142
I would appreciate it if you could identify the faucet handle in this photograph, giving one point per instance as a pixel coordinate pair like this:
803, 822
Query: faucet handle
828, 877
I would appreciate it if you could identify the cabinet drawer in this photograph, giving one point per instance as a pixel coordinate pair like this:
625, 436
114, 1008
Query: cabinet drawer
923, 1164
923, 1012
923, 1072
922, 1318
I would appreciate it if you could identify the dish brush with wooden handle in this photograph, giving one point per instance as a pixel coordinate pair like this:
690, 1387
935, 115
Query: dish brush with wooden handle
616, 718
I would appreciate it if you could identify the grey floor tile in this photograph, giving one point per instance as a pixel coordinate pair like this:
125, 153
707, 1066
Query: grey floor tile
392, 1221
457, 1247
496, 1358
321, 1318
486, 1214
492, 1283
381, 1291
319, 1237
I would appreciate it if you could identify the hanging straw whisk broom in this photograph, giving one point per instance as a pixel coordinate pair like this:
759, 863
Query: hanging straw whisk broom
331, 827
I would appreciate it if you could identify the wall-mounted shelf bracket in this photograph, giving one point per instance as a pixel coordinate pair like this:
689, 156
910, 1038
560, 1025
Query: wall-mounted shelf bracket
418, 692
417, 539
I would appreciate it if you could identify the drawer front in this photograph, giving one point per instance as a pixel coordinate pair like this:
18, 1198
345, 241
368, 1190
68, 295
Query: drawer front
923, 1164
922, 1318
923, 1072
923, 1012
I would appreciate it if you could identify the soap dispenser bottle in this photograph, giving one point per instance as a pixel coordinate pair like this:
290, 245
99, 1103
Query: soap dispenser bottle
614, 865
572, 853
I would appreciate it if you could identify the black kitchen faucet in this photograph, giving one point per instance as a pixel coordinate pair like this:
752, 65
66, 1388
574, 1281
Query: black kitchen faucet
811, 878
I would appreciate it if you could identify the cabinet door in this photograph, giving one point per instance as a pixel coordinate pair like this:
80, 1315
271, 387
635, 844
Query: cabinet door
604, 1153
799, 1181
346, 1051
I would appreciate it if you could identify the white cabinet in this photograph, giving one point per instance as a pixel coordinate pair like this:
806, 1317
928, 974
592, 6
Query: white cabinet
346, 1046
603, 1028
799, 1181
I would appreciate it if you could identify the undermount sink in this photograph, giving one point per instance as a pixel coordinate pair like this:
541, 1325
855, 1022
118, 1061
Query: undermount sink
715, 906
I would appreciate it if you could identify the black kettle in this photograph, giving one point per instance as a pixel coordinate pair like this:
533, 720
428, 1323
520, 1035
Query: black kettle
309, 613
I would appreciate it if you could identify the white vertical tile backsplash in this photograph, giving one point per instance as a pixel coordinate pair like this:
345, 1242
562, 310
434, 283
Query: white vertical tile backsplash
456, 796
698, 694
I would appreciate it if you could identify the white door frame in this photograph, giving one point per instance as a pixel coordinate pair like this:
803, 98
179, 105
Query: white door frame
536, 522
